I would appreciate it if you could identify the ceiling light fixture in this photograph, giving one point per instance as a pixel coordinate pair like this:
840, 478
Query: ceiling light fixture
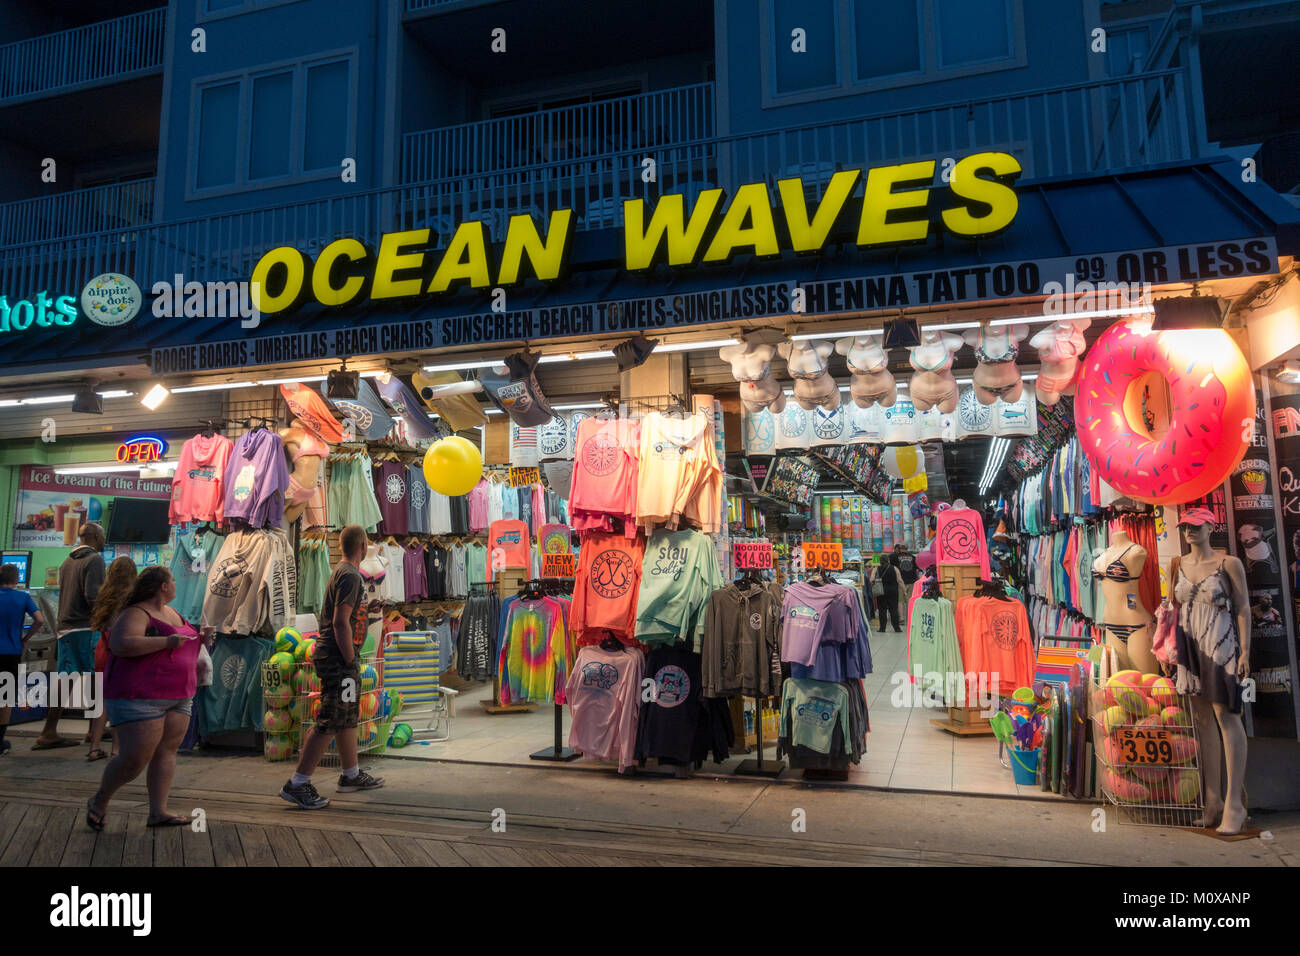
291, 381
1067, 316
697, 346
993, 464
217, 386
155, 397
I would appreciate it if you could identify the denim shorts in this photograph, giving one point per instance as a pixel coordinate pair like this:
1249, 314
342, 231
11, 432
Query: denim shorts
132, 710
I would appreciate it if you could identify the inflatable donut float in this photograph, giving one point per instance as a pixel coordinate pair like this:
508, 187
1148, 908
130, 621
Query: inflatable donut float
1158, 451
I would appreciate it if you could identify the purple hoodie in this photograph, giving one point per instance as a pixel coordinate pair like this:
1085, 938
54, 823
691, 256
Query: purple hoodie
257, 479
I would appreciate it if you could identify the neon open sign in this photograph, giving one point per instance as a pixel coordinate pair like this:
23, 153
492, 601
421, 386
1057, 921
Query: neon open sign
140, 449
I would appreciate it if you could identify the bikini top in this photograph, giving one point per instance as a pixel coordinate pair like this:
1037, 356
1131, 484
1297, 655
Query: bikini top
311, 445
1008, 354
920, 366
1116, 571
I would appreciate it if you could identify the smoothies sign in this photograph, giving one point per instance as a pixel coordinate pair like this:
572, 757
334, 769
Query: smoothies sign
52, 508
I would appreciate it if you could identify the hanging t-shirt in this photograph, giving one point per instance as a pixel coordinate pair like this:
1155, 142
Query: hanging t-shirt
435, 571
533, 661
933, 654
670, 720
678, 475
555, 439
508, 545
417, 500
793, 427
521, 399
370, 416
760, 432
395, 581
679, 573
828, 428
607, 583
604, 480
413, 572
959, 539
197, 490
604, 697
900, 423
523, 446
559, 477
391, 493
812, 710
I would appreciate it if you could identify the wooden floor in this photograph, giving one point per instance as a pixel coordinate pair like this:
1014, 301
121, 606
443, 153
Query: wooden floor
43, 824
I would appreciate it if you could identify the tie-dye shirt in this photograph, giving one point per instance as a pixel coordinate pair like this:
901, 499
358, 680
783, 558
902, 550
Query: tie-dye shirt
534, 658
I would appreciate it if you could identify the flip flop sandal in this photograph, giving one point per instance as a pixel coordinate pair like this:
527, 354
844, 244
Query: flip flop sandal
61, 742
96, 825
170, 822
96, 754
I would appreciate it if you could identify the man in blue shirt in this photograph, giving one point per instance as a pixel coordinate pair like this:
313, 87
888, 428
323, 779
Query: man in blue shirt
15, 605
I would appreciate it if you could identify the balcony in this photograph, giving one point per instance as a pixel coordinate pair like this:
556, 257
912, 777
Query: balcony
1103, 127
588, 131
77, 212
104, 52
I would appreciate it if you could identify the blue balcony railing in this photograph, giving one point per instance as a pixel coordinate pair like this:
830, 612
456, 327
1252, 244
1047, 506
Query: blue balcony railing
77, 212
110, 50
1096, 128
421, 6
563, 135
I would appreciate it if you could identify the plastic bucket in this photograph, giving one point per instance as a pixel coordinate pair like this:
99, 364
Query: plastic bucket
1024, 766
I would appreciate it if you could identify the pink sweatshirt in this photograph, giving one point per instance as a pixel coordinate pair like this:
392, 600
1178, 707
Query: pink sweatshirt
197, 490
603, 694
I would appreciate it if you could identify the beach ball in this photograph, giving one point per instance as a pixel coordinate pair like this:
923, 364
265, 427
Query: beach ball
284, 663
277, 721
287, 639
94, 510
305, 682
453, 466
279, 696
369, 705
903, 461
369, 678
278, 747
304, 651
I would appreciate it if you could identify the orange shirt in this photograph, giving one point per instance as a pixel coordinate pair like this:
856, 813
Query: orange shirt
679, 476
607, 583
510, 539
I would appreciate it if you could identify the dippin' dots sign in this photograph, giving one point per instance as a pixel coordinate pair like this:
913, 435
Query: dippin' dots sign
111, 299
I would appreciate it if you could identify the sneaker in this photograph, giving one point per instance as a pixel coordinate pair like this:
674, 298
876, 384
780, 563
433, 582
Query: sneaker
6, 746
305, 796
362, 781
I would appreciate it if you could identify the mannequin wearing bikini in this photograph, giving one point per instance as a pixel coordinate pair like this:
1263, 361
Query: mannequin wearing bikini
306, 452
997, 375
934, 384
1060, 346
1202, 579
1128, 622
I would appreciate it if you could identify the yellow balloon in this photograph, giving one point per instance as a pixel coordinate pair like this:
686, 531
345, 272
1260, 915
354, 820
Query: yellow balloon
453, 466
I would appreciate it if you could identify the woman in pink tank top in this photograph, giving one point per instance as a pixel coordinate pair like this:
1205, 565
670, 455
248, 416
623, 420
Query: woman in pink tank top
149, 683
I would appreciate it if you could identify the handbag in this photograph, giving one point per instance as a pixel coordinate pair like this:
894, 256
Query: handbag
877, 585
203, 667
1164, 639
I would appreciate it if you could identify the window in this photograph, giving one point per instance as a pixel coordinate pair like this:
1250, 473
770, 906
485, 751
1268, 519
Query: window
268, 141
325, 141
887, 34
291, 123
973, 31
218, 134
815, 66
885, 44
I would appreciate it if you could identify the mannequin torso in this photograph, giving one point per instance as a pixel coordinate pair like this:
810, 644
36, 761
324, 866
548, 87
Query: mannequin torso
1128, 621
934, 384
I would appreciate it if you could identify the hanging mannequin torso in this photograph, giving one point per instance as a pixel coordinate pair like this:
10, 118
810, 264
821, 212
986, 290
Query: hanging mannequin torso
1215, 617
306, 452
1128, 622
934, 384
996, 374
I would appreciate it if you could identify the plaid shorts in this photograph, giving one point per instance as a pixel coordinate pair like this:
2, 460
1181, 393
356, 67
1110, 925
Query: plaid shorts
336, 712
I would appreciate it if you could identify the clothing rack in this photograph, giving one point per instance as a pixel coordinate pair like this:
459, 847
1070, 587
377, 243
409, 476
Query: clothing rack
756, 767
557, 752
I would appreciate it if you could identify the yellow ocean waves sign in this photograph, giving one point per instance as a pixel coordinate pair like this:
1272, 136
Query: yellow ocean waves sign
892, 205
